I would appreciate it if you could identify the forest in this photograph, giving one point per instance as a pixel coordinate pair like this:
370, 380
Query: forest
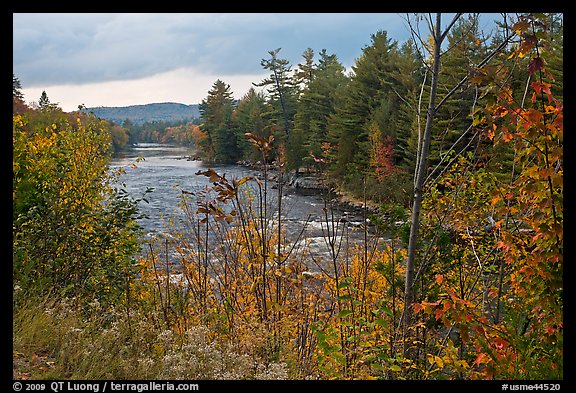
456, 135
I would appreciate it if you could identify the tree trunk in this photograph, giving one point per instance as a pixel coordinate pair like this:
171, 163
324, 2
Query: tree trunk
418, 192
422, 167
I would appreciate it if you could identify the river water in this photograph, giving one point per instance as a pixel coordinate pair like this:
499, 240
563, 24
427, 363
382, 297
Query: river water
166, 170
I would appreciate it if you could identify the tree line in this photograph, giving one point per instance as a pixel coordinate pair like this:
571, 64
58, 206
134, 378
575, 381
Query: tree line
363, 128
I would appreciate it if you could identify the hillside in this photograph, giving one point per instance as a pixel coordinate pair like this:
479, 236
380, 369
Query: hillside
138, 114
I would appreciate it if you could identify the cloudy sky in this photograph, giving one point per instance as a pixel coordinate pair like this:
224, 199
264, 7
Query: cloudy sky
127, 59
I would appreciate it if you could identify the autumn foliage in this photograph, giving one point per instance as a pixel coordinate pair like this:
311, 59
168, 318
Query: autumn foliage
73, 232
505, 295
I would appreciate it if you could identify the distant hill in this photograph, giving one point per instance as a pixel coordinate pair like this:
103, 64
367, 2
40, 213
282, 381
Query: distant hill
138, 114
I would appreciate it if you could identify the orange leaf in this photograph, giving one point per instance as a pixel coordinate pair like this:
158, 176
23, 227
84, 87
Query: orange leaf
438, 313
481, 358
550, 330
521, 26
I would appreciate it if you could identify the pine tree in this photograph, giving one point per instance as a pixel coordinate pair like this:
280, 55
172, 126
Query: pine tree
305, 72
216, 111
226, 139
44, 102
408, 79
555, 52
315, 105
282, 91
366, 103
17, 88
248, 118
452, 132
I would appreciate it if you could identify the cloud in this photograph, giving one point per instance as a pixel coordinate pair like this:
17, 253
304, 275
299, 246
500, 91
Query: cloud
100, 59
183, 85
87, 48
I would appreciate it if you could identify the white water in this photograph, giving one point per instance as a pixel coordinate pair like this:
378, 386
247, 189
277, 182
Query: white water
166, 169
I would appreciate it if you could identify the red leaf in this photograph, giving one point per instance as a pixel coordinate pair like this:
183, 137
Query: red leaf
481, 358
550, 330
438, 313
542, 87
500, 343
535, 65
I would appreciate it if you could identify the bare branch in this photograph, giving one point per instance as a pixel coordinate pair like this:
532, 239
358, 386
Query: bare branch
480, 65
454, 20
416, 37
418, 147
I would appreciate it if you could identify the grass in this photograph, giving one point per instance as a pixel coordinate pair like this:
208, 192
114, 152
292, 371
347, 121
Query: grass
57, 339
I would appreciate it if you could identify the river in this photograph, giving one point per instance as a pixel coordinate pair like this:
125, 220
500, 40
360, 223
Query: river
166, 170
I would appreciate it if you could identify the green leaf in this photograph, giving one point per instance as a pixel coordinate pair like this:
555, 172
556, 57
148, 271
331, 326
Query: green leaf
344, 313
340, 358
381, 322
383, 356
344, 284
386, 310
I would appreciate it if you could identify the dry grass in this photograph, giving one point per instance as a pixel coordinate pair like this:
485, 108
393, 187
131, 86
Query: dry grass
59, 340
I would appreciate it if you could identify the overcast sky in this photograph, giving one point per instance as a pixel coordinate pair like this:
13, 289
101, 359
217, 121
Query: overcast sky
127, 59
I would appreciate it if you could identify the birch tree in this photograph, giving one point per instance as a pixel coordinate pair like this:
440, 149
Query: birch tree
437, 36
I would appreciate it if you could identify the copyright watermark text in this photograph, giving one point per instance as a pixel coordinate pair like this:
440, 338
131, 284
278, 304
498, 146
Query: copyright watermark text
103, 386
531, 386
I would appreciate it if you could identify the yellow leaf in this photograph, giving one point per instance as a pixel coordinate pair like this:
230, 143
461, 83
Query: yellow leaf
395, 368
438, 360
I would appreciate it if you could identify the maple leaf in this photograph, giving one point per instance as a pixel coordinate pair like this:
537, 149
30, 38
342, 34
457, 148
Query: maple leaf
550, 330
438, 313
481, 358
535, 65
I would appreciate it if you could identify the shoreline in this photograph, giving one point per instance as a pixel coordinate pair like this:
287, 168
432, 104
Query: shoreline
312, 183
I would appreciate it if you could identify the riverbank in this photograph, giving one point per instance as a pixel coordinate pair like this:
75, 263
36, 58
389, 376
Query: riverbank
314, 183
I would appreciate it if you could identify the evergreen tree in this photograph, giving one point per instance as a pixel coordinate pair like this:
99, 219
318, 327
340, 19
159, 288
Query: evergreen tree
452, 131
216, 111
17, 88
315, 106
554, 54
44, 103
226, 140
282, 91
408, 79
305, 72
248, 118
366, 104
